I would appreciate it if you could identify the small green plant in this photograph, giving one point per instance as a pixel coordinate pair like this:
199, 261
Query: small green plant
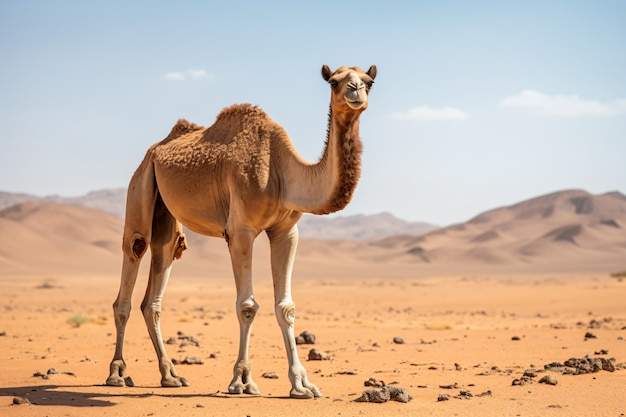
78, 319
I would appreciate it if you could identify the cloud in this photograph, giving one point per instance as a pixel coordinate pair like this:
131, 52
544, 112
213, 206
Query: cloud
427, 114
563, 105
194, 74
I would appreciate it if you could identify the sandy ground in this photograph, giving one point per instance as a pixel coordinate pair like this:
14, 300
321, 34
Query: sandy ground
467, 337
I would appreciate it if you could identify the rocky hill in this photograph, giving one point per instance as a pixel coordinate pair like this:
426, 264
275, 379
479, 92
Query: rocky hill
357, 227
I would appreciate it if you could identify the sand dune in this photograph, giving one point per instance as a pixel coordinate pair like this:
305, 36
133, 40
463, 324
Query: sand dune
565, 231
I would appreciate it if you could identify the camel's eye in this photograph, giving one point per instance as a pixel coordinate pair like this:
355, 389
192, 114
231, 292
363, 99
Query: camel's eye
369, 85
333, 83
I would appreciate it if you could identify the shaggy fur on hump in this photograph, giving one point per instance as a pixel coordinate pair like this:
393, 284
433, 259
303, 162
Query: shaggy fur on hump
240, 136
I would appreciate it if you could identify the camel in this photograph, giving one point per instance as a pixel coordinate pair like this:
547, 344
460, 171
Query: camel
233, 180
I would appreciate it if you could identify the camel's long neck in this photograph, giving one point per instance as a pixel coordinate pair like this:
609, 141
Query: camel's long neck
327, 186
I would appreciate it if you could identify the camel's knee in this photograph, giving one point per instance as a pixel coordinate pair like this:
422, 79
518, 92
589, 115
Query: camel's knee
121, 311
286, 313
247, 310
135, 247
139, 247
151, 310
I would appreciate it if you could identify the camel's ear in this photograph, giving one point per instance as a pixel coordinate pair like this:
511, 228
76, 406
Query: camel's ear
372, 72
326, 72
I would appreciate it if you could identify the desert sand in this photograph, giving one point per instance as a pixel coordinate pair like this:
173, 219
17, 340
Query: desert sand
476, 337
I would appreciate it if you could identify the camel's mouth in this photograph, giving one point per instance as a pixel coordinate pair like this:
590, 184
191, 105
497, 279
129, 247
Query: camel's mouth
356, 104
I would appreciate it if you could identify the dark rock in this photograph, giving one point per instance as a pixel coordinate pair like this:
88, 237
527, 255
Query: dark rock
595, 324
316, 355
20, 400
384, 394
398, 340
189, 360
269, 375
443, 397
548, 379
522, 381
465, 394
373, 382
308, 338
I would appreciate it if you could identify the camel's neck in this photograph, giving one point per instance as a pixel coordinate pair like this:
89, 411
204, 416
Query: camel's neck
327, 186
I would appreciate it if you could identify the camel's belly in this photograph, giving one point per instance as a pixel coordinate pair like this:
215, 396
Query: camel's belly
197, 204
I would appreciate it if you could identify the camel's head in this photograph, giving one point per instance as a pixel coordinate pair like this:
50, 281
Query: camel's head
350, 86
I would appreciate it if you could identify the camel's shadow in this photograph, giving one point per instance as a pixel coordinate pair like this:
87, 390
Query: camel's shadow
66, 395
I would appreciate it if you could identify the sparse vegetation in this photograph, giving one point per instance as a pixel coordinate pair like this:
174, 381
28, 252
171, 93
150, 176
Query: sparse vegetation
78, 319
619, 275
47, 284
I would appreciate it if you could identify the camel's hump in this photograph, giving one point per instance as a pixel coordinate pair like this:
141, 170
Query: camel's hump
242, 111
182, 127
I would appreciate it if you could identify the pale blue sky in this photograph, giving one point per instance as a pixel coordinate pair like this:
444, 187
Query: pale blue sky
477, 104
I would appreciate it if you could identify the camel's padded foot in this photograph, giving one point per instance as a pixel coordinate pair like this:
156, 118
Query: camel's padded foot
117, 378
115, 381
242, 382
305, 393
169, 377
238, 387
301, 387
174, 382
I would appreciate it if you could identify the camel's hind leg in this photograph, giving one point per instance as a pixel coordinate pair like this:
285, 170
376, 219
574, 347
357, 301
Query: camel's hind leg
140, 203
168, 242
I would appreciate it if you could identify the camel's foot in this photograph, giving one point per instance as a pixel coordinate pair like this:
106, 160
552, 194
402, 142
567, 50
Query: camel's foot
305, 392
301, 387
239, 387
169, 377
242, 382
174, 382
117, 376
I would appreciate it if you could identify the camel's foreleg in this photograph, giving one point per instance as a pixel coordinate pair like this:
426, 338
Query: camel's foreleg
240, 242
283, 250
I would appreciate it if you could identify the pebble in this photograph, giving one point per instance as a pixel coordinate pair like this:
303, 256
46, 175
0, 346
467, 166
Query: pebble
548, 379
316, 355
384, 394
20, 400
307, 338
398, 340
373, 382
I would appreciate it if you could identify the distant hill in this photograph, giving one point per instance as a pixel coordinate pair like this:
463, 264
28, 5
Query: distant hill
564, 232
110, 200
572, 226
357, 227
